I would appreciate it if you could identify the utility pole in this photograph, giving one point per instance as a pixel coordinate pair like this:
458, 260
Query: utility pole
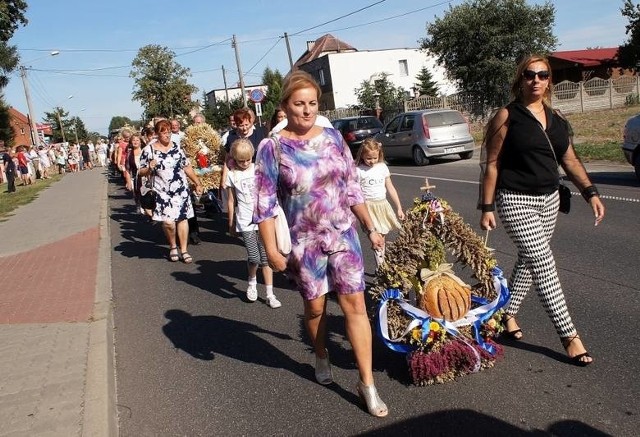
32, 114
234, 44
286, 39
64, 140
226, 90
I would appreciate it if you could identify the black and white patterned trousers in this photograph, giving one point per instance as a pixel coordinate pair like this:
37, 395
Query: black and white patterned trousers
530, 221
256, 253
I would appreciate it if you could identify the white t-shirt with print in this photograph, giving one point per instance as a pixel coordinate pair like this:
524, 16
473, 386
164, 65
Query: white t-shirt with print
372, 180
243, 184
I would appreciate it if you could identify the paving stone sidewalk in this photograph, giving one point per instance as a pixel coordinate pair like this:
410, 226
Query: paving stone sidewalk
56, 348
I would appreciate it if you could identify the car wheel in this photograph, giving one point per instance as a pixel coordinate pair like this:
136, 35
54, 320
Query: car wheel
419, 158
466, 155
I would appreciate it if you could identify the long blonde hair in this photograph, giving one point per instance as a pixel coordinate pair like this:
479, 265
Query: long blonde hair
370, 145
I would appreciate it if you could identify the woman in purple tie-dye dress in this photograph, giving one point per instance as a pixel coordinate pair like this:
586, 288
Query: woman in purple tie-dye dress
315, 181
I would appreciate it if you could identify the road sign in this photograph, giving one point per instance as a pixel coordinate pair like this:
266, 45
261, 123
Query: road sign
258, 109
256, 95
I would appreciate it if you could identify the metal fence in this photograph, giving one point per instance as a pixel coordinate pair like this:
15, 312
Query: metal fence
569, 97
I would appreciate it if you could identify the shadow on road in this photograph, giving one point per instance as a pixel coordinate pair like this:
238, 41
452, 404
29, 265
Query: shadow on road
472, 423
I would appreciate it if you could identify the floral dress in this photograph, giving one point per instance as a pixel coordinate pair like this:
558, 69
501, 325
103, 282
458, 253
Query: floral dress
317, 185
170, 182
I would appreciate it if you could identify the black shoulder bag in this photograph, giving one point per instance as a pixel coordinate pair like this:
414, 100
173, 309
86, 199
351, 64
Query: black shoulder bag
563, 191
149, 199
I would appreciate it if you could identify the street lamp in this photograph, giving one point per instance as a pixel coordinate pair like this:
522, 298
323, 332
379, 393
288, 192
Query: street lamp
32, 114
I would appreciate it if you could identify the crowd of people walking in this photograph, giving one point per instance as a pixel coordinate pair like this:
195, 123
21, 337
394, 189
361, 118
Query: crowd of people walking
301, 167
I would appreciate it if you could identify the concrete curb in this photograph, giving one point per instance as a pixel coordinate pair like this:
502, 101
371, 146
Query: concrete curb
100, 414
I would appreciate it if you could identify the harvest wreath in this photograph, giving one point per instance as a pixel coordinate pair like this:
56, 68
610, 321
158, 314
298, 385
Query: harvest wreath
203, 147
451, 331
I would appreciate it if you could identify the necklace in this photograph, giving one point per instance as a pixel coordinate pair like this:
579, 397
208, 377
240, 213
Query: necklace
536, 112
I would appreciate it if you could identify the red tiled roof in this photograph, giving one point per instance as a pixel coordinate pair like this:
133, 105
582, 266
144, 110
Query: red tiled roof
17, 115
325, 44
588, 58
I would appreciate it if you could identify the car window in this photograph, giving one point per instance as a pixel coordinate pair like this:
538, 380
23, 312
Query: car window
393, 125
445, 118
368, 123
408, 122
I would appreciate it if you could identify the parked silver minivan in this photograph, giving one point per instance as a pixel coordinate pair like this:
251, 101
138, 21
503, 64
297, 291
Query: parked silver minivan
425, 134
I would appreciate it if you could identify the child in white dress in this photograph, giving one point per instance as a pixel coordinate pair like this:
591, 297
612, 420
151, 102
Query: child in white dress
240, 183
375, 180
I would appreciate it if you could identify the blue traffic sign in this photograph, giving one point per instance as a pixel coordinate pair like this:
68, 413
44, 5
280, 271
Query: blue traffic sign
256, 95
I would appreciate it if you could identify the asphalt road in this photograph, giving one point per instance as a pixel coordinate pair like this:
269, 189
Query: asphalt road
195, 358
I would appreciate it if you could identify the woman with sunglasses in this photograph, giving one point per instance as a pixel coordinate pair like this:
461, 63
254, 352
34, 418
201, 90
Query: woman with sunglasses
524, 143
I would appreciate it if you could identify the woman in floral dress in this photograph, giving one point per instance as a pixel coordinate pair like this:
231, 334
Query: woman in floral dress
312, 169
168, 167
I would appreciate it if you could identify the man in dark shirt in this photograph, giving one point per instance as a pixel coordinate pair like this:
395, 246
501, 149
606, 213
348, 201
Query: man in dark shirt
9, 168
86, 157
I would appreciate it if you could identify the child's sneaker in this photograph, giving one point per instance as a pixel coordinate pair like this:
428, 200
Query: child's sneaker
252, 293
273, 301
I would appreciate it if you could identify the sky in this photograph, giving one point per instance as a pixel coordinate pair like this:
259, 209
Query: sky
97, 40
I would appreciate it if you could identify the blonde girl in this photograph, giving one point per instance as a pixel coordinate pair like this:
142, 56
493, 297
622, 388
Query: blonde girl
240, 183
375, 180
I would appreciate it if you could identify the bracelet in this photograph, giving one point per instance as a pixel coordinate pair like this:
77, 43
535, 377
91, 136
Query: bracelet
371, 231
487, 207
589, 192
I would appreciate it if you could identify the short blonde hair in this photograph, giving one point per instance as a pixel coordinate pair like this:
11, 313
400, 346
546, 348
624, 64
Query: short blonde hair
241, 149
298, 80
370, 145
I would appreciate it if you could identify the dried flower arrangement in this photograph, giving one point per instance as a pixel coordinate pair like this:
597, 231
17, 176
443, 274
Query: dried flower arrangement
451, 332
203, 146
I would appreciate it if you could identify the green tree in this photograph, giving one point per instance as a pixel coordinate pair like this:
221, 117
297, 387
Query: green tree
6, 133
11, 17
119, 121
59, 123
479, 43
217, 115
273, 80
161, 84
426, 85
629, 53
382, 92
79, 130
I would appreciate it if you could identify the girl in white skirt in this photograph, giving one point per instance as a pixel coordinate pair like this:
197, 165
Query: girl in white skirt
375, 180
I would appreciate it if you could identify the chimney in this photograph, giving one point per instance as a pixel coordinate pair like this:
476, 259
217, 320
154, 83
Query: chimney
310, 45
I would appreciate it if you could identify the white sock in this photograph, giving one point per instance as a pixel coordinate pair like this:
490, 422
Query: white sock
253, 281
269, 290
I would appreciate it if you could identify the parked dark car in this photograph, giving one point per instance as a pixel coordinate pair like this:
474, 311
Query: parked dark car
428, 133
631, 143
356, 129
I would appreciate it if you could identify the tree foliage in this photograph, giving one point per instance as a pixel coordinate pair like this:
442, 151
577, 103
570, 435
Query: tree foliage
59, 123
161, 84
479, 43
217, 115
380, 92
629, 53
426, 85
119, 121
11, 17
273, 80
6, 132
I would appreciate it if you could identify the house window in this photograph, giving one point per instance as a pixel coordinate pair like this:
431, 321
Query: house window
321, 77
21, 131
404, 67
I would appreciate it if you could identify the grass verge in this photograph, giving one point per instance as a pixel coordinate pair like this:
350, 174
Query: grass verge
23, 195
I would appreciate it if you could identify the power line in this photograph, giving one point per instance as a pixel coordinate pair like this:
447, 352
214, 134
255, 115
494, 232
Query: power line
339, 18
263, 56
383, 19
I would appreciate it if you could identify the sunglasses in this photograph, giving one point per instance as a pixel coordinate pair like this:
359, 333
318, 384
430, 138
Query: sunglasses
530, 74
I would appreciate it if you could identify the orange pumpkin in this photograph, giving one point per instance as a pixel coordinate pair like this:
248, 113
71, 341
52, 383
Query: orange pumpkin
443, 297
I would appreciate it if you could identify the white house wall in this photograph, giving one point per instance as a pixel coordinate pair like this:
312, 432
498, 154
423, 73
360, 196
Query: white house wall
348, 70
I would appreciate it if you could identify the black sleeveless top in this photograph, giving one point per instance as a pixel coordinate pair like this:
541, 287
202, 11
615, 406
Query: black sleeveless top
527, 164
